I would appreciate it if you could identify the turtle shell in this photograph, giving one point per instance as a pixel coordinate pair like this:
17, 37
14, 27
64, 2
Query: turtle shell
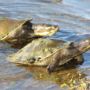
43, 52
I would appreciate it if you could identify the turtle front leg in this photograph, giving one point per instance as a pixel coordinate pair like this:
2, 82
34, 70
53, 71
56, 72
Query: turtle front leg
54, 63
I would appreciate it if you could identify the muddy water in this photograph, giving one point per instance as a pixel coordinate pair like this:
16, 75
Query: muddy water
73, 18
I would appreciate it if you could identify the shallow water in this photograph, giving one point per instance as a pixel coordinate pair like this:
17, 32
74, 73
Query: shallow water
73, 18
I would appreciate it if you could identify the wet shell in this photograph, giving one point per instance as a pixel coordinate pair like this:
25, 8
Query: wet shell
42, 52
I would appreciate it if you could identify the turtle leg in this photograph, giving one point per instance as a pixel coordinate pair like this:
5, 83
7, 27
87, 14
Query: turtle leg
52, 66
54, 63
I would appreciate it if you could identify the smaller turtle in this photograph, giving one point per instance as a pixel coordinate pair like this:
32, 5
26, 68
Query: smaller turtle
27, 31
51, 53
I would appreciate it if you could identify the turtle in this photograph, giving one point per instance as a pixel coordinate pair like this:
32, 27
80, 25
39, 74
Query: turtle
26, 31
51, 53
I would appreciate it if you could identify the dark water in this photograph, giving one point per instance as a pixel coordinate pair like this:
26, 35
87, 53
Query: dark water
73, 18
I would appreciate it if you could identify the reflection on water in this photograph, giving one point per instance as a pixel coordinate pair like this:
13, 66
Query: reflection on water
73, 18
70, 78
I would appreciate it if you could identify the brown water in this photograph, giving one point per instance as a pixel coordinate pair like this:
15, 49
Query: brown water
73, 18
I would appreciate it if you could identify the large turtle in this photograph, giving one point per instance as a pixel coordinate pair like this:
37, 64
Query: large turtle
51, 53
26, 31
